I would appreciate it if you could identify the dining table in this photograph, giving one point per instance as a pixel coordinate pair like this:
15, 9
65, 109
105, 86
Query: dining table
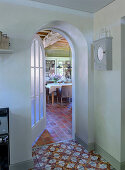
53, 86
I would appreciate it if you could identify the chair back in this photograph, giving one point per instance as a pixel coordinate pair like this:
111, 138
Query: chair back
66, 91
47, 91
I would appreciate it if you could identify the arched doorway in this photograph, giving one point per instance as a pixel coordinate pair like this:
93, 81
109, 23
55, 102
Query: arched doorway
60, 122
79, 49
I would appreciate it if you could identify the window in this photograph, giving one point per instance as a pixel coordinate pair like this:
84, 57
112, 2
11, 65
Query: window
50, 68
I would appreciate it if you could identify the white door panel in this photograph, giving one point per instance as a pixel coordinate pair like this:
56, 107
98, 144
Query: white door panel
38, 102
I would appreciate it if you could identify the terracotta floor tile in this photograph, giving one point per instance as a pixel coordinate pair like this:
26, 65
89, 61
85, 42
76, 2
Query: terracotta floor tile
59, 124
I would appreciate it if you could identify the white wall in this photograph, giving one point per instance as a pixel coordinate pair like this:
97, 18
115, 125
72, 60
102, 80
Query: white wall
107, 84
20, 23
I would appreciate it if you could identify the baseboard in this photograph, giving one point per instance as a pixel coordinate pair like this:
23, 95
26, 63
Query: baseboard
92, 146
123, 166
89, 146
116, 164
25, 165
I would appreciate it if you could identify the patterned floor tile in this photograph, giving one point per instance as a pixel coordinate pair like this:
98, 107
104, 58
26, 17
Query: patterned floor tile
51, 154
66, 156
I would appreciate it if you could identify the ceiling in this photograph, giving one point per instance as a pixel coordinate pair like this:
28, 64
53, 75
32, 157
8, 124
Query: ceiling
51, 38
81, 5
55, 44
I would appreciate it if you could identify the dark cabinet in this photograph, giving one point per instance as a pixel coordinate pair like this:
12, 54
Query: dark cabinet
4, 139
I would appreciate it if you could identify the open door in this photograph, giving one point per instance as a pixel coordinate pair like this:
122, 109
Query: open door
38, 102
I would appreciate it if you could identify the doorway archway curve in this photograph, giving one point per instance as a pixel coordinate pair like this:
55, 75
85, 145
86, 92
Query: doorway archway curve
79, 48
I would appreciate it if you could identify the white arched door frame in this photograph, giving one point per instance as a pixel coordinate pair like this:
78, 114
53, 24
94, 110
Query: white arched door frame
81, 82
73, 73
37, 129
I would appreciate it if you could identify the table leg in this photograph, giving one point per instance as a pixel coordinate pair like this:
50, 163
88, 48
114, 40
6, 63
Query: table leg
52, 97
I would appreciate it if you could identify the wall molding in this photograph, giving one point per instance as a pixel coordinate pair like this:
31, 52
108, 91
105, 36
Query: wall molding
22, 165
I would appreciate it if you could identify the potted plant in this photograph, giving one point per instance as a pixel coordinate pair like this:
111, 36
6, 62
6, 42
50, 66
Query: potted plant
56, 78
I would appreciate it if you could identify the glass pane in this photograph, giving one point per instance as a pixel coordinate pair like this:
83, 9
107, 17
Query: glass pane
41, 58
37, 53
37, 81
33, 111
32, 82
32, 55
60, 71
50, 67
37, 108
41, 80
41, 105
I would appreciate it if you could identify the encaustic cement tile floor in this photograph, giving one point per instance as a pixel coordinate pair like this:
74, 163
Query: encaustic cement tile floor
54, 149
66, 156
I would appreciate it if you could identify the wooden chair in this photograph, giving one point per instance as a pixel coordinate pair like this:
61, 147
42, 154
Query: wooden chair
66, 92
58, 93
47, 91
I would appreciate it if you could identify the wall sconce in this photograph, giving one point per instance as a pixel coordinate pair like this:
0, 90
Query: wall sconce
58, 66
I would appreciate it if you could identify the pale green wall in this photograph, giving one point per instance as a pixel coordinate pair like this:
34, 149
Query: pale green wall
58, 53
107, 85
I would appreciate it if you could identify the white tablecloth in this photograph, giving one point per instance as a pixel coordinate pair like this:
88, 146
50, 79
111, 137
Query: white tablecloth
53, 86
